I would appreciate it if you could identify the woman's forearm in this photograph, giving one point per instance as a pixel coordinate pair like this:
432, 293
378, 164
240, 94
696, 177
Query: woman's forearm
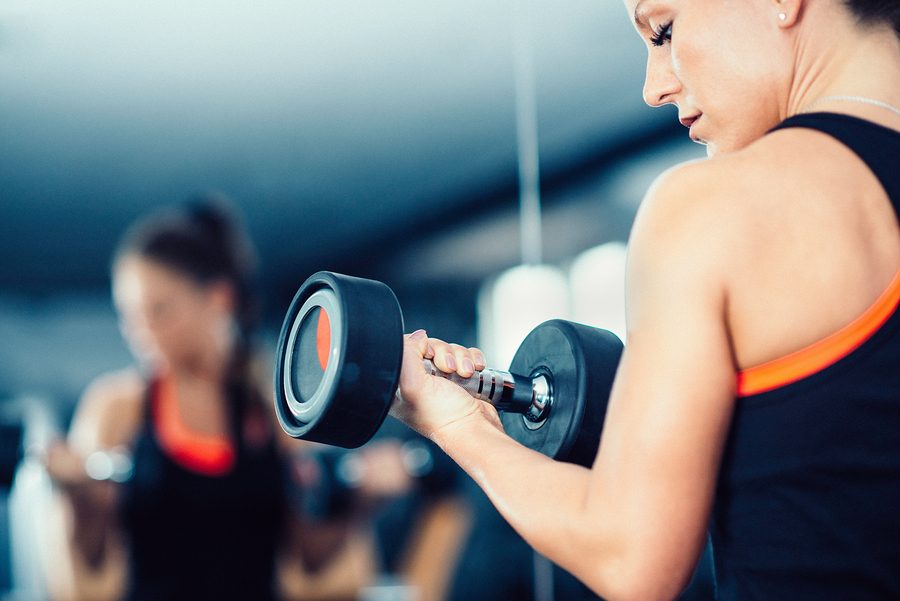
544, 500
92, 505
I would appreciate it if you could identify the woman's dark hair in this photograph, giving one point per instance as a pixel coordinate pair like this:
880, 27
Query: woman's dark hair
872, 12
204, 240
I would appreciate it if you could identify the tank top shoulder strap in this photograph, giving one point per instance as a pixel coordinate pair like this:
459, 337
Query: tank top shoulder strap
876, 145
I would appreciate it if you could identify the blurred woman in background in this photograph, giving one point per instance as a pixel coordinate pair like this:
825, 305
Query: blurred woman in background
177, 460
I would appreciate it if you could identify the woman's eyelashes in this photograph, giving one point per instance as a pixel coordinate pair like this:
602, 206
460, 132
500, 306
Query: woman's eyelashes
662, 34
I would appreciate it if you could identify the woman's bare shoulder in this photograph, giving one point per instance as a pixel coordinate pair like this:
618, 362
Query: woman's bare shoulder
121, 383
109, 412
690, 206
715, 215
772, 183
777, 225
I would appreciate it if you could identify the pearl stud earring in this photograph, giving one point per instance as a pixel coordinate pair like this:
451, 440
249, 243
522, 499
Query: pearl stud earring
782, 16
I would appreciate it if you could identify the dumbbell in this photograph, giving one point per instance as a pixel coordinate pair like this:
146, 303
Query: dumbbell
338, 365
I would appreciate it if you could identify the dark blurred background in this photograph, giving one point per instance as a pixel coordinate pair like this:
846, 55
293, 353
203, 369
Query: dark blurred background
376, 139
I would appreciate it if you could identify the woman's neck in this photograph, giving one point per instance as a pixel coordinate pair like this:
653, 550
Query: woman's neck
208, 373
201, 400
853, 62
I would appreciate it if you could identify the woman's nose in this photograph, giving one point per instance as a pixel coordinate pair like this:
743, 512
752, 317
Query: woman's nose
660, 83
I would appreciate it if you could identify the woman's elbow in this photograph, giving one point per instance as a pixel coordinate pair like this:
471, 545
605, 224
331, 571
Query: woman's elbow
637, 579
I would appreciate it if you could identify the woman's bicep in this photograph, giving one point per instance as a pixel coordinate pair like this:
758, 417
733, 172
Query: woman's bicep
108, 413
671, 404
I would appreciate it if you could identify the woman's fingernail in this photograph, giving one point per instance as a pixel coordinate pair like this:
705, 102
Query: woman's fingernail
467, 364
451, 362
418, 335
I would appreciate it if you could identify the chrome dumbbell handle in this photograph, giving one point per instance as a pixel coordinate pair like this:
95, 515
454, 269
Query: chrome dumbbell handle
530, 396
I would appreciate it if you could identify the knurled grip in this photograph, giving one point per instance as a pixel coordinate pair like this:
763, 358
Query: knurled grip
503, 390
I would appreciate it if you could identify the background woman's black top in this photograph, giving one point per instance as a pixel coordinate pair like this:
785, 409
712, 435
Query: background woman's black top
193, 536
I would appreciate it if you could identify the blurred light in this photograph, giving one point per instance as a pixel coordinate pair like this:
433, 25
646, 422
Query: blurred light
597, 281
514, 303
114, 465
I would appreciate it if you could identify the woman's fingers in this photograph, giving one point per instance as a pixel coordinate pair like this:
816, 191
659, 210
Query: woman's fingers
477, 358
465, 364
428, 403
63, 465
454, 358
448, 357
416, 346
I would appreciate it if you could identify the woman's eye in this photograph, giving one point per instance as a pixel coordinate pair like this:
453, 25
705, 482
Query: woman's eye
662, 34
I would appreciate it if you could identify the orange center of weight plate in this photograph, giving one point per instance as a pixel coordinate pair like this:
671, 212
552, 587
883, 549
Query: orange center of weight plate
323, 338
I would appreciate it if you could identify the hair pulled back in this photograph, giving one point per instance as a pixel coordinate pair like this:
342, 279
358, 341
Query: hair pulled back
204, 240
873, 12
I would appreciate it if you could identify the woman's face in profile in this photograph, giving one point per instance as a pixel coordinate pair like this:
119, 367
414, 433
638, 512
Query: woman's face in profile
723, 64
167, 318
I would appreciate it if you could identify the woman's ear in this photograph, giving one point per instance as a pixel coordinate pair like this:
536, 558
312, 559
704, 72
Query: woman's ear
786, 12
222, 296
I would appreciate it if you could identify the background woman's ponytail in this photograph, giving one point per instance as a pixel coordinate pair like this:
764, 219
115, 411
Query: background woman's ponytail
214, 220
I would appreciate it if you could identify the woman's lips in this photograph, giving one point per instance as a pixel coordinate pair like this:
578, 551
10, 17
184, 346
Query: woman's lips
691, 123
688, 121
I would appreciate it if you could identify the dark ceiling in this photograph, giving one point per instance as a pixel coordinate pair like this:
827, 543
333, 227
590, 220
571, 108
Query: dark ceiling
347, 132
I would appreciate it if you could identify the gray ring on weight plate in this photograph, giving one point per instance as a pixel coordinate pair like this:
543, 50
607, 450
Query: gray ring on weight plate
307, 411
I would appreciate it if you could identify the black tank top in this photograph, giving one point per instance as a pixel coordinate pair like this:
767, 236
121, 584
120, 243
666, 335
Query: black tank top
808, 498
193, 536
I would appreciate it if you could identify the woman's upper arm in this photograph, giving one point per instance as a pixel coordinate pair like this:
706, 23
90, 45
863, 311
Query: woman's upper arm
108, 412
672, 401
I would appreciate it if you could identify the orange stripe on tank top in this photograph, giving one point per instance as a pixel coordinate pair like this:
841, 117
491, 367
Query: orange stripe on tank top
828, 351
210, 455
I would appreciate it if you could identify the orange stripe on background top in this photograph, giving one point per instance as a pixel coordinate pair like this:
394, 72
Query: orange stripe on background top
828, 351
206, 454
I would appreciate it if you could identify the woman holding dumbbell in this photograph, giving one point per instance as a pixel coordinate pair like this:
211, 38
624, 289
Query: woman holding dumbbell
759, 392
174, 464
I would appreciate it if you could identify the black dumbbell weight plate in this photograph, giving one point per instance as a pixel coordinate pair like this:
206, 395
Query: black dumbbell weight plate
580, 363
335, 376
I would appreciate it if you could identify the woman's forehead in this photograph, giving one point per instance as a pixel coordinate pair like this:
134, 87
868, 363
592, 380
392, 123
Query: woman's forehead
148, 275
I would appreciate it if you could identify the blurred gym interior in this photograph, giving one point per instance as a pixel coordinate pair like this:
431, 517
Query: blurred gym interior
485, 160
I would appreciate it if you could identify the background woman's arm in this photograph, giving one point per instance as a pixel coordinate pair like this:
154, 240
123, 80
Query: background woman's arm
107, 417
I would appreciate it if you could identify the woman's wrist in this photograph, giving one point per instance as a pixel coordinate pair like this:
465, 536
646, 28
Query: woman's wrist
466, 435
76, 474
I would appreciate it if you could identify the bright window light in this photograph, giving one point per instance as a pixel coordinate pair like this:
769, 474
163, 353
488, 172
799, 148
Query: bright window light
512, 304
597, 281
